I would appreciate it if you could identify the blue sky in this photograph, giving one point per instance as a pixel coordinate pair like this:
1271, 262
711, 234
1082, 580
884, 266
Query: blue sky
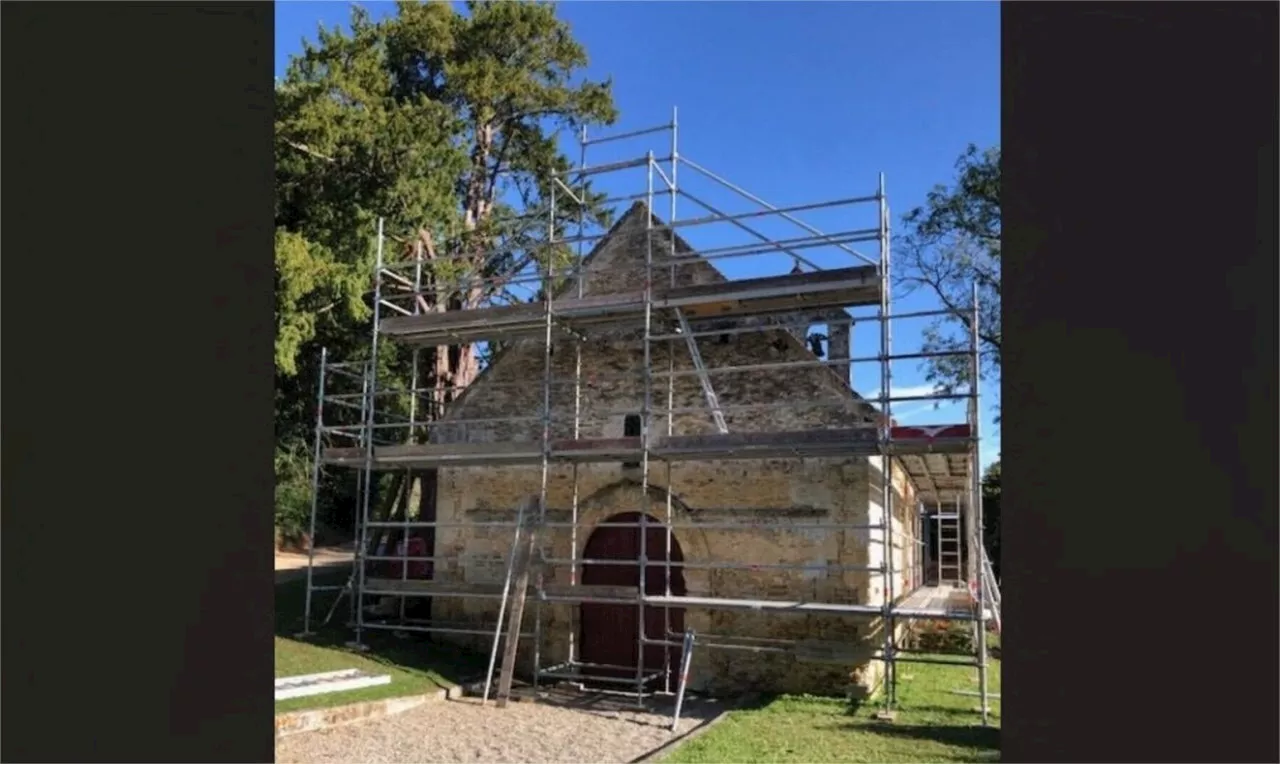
797, 102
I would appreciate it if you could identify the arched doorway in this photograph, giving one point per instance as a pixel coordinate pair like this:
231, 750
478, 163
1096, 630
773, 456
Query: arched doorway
608, 633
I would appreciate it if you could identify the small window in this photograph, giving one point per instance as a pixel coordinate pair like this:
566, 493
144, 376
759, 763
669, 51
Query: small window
631, 429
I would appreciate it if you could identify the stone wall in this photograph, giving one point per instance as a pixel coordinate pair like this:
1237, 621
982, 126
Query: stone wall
771, 496
905, 512
601, 379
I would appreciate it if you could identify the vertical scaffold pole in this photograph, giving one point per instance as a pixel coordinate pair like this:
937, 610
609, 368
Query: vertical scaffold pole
370, 418
547, 370
315, 496
886, 464
671, 361
413, 430
975, 497
577, 390
357, 524
646, 428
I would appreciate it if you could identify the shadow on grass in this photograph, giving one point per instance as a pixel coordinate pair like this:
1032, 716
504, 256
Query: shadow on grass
411, 651
754, 701
959, 736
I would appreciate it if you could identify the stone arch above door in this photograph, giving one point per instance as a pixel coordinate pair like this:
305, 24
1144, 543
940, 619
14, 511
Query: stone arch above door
628, 496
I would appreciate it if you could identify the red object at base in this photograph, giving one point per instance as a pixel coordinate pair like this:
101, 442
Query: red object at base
417, 568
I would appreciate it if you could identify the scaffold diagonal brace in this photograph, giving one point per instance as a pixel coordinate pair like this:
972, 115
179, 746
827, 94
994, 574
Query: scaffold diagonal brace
708, 390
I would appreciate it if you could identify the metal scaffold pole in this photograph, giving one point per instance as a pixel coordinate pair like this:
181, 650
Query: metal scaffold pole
646, 430
577, 392
886, 463
409, 438
315, 496
548, 370
978, 548
362, 550
670, 414
366, 404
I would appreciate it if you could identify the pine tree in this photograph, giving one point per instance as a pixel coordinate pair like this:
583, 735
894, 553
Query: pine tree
444, 124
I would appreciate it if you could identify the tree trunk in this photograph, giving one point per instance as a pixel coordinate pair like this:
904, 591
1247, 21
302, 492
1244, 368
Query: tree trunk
453, 368
387, 509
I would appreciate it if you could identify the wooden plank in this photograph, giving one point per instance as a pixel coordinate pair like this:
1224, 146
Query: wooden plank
342, 455
437, 588
524, 564
839, 287
711, 310
430, 450
798, 439
447, 588
458, 319
824, 443
613, 301
592, 590
799, 282
431, 454
565, 446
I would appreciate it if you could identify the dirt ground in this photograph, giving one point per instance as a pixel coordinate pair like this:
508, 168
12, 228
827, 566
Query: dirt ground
565, 726
324, 556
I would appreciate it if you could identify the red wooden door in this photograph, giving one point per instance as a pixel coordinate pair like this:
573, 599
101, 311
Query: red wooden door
609, 633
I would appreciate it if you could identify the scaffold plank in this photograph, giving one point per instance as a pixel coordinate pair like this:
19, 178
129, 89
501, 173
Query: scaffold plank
429, 588
923, 604
799, 444
722, 603
843, 287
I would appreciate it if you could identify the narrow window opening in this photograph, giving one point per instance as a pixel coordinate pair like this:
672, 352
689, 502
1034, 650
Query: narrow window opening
815, 344
631, 429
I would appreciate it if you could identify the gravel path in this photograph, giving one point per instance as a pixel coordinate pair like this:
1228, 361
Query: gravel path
564, 728
324, 556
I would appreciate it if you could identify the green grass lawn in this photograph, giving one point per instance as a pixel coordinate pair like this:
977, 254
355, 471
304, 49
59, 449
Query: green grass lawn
933, 725
416, 666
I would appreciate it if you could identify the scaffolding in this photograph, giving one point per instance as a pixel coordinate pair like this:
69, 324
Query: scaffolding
355, 429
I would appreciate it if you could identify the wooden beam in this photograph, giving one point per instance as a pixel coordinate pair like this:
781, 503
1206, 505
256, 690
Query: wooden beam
527, 557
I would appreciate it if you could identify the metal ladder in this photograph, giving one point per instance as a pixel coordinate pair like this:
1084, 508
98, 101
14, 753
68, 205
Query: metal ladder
713, 400
949, 556
347, 589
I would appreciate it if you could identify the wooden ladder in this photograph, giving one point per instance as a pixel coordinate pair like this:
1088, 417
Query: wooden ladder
525, 558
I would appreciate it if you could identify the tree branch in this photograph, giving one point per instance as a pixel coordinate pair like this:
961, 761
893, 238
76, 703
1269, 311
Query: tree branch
305, 149
496, 172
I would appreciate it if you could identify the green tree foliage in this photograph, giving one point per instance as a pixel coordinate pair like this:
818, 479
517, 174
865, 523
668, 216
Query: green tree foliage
991, 514
310, 282
444, 124
293, 494
952, 242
